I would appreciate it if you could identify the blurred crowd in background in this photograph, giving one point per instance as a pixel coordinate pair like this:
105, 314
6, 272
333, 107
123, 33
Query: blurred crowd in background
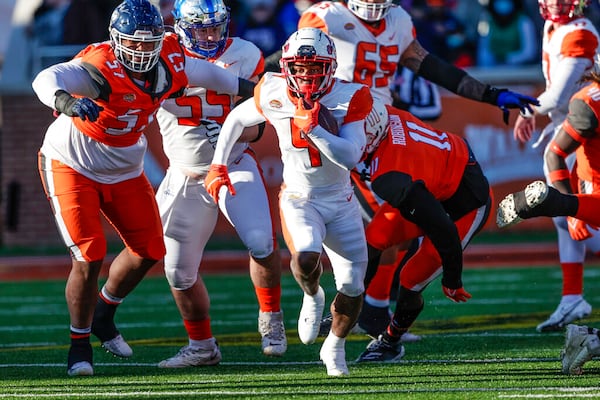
468, 33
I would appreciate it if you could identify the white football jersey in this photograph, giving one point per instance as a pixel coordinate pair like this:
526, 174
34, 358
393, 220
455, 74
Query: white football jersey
576, 39
364, 54
304, 167
190, 124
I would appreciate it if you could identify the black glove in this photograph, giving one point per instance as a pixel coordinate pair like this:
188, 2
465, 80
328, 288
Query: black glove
83, 107
505, 99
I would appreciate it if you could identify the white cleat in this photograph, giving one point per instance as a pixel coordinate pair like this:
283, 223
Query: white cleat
535, 193
565, 313
272, 331
334, 358
118, 347
311, 313
81, 368
581, 345
194, 357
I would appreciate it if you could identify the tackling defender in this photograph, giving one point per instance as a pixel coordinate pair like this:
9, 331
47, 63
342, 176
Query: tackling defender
433, 188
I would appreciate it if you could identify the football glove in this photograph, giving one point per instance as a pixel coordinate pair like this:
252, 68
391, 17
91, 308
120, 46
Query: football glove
459, 295
306, 118
578, 229
216, 178
82, 107
507, 99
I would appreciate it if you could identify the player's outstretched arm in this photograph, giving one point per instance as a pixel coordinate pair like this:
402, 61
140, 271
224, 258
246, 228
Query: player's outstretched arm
458, 81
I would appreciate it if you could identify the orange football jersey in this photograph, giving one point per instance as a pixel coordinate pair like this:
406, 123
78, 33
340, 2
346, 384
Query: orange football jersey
413, 147
128, 107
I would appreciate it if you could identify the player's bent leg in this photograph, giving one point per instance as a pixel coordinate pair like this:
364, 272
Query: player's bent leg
126, 271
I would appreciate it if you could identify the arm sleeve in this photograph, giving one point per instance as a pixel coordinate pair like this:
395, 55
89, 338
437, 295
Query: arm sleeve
210, 76
420, 207
558, 94
344, 150
70, 76
241, 116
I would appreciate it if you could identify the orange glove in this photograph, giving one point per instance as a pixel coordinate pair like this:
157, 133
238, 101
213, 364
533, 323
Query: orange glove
216, 178
578, 229
459, 295
306, 118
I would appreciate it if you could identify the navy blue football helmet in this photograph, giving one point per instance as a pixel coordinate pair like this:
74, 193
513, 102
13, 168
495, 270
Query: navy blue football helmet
202, 26
137, 32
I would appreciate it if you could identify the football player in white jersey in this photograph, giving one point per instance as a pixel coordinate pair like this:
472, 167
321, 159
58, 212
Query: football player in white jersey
373, 37
317, 204
569, 43
190, 127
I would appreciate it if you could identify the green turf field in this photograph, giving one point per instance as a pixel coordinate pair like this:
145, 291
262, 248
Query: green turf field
484, 349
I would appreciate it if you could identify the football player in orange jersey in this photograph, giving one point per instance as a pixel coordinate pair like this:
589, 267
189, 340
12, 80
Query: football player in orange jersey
433, 188
569, 44
578, 135
91, 162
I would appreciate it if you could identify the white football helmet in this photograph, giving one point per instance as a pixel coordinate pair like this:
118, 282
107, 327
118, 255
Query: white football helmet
368, 11
309, 45
562, 11
376, 125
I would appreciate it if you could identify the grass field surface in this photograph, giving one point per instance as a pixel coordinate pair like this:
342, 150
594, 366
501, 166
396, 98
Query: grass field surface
486, 348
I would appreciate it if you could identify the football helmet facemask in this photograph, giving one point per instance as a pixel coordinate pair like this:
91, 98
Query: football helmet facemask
202, 26
367, 11
376, 126
562, 11
309, 46
136, 32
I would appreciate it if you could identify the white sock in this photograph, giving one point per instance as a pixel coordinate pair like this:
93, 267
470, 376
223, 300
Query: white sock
335, 341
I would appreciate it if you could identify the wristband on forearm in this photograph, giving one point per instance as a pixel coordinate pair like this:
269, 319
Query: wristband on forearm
64, 102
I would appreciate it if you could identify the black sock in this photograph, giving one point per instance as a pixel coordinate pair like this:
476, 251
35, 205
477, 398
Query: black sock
103, 325
80, 350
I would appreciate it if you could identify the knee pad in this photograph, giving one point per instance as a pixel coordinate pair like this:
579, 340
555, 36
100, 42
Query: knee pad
259, 243
350, 281
181, 278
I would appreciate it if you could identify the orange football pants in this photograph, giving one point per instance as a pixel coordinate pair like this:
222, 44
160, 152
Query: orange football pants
78, 203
